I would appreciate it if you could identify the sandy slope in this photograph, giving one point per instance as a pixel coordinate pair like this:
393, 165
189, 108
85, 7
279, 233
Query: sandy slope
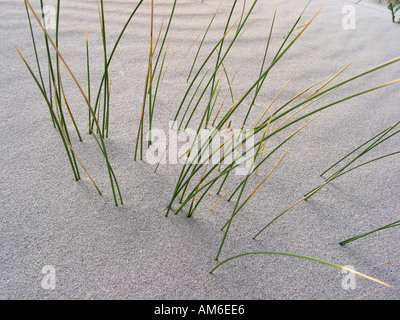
103, 252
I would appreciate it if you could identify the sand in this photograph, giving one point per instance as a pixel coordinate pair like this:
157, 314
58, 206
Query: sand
100, 251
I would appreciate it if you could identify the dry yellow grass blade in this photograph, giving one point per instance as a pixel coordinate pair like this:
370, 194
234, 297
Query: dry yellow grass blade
302, 108
262, 149
158, 39
223, 154
315, 92
201, 179
302, 92
67, 105
308, 23
301, 200
162, 156
99, 12
388, 83
98, 113
220, 107
272, 102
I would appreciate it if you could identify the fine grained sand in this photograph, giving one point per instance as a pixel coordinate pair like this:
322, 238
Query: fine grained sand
101, 251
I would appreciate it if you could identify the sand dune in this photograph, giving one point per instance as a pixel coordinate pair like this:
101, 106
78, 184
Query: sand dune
100, 251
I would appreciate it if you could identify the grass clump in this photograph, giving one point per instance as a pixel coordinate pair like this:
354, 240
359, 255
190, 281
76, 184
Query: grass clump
198, 176
55, 86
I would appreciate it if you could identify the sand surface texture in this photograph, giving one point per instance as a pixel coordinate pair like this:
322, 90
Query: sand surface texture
100, 251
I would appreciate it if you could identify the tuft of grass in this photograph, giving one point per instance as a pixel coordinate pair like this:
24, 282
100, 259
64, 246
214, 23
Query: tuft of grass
366, 147
293, 255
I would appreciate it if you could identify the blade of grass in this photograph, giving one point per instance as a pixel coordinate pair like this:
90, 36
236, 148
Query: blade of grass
380, 140
76, 156
306, 197
139, 138
381, 264
301, 257
110, 58
213, 86
202, 40
272, 102
68, 108
370, 161
238, 208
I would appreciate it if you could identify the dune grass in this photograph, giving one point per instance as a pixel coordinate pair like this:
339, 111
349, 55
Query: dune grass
55, 85
394, 7
271, 133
